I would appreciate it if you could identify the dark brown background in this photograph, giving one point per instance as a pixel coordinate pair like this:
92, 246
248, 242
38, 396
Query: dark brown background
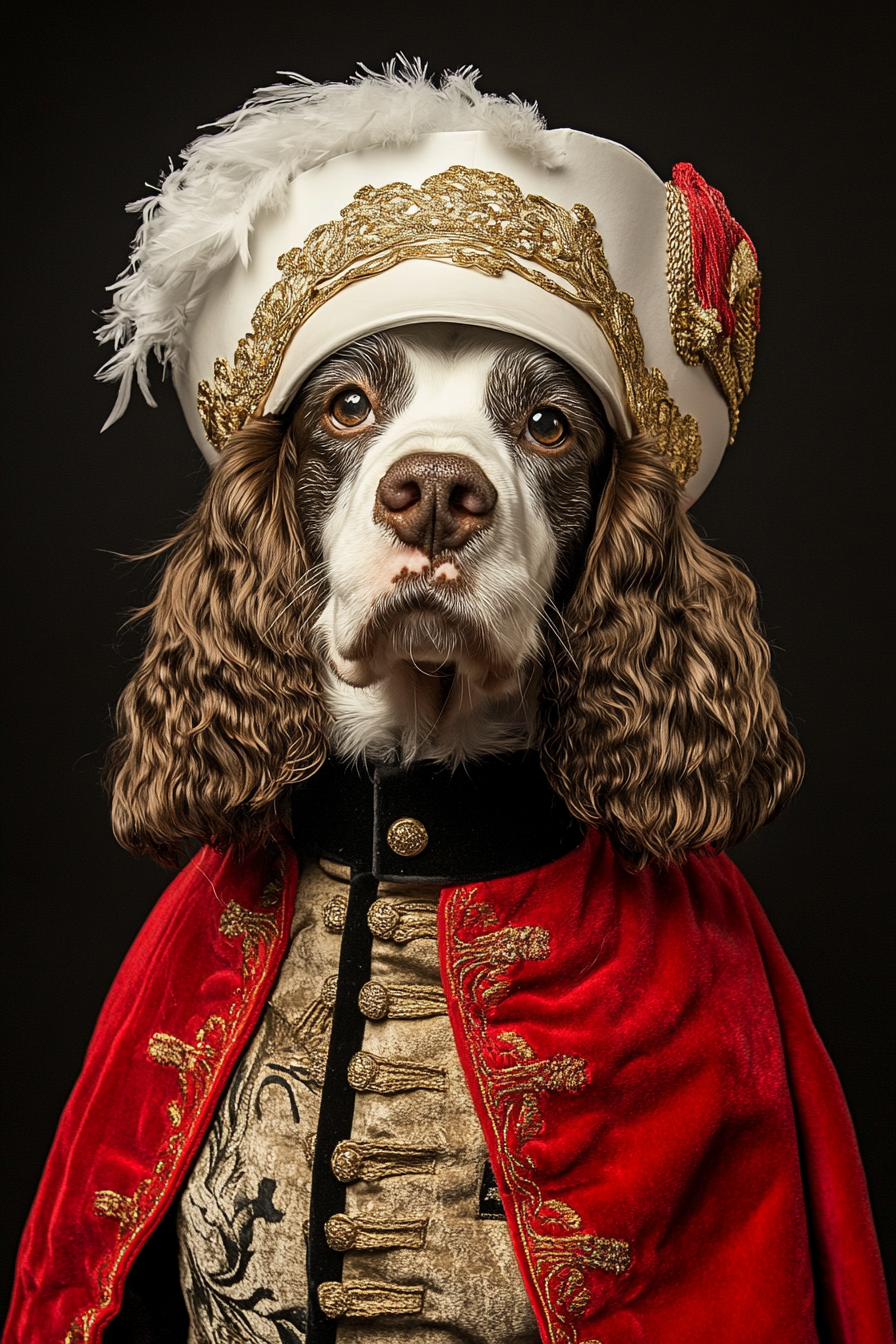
782, 109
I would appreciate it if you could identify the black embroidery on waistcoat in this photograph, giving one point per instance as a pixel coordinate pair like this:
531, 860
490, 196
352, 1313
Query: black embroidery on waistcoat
490, 1206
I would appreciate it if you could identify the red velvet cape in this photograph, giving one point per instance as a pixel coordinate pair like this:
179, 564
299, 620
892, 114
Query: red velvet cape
670, 1139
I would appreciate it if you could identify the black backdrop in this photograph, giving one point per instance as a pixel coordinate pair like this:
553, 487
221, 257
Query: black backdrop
781, 108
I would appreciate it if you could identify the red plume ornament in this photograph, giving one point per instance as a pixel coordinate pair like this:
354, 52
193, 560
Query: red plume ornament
714, 282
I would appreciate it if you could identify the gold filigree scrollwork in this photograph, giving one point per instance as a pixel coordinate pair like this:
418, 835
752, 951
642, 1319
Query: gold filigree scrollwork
366, 1299
486, 959
466, 217
394, 921
194, 1063
110, 1204
512, 1080
252, 926
354, 1161
697, 331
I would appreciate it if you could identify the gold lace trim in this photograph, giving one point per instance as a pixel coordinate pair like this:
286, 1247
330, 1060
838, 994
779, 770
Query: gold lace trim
378, 1001
197, 1063
353, 1161
366, 1299
375, 1234
465, 217
512, 1079
373, 1073
696, 330
401, 921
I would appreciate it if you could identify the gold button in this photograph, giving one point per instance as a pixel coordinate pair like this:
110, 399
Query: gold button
341, 1232
334, 914
407, 837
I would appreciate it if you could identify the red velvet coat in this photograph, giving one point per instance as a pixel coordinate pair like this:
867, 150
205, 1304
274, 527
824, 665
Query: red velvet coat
668, 1134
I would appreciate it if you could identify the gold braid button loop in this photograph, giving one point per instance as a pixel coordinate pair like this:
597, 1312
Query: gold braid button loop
369, 1298
373, 1073
352, 1161
374, 1234
378, 1001
402, 921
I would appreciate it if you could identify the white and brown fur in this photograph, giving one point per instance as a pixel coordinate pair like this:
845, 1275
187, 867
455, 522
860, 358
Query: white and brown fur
432, 582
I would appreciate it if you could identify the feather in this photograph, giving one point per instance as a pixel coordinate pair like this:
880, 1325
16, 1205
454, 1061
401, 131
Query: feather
202, 214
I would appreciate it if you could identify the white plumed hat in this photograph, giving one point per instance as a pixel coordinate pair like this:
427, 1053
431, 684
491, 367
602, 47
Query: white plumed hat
319, 213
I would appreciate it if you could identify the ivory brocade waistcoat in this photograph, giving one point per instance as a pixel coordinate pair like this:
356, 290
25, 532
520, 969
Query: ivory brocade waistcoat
427, 1252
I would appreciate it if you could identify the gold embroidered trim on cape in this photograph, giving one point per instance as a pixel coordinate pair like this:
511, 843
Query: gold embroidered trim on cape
696, 330
465, 217
197, 1064
511, 1080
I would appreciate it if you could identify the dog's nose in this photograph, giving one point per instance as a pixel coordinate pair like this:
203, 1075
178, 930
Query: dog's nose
436, 501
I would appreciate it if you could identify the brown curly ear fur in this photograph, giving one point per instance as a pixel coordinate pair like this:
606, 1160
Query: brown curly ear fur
662, 723
225, 711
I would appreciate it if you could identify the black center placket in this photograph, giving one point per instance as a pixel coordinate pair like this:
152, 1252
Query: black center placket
337, 1103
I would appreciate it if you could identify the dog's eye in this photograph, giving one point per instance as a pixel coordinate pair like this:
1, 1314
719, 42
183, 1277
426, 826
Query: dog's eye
350, 408
547, 427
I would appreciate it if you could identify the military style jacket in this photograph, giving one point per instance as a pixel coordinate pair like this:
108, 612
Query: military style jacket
516, 1086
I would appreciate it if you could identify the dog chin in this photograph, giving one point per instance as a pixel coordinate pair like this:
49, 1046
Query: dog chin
424, 641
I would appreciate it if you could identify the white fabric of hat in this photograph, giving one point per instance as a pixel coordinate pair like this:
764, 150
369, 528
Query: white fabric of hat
434, 203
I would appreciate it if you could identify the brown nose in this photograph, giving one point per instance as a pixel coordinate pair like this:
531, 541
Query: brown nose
436, 501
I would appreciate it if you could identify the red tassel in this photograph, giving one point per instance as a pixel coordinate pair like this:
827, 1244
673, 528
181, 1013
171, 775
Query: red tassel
715, 237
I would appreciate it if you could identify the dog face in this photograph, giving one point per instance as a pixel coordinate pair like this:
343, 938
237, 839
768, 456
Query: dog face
436, 555
446, 488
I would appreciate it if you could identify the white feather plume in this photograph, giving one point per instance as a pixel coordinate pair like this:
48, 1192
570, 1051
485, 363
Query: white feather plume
202, 215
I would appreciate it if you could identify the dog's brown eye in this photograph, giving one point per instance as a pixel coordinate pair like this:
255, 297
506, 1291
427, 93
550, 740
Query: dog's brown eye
547, 427
350, 408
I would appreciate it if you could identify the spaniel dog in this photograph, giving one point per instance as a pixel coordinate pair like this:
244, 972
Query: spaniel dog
442, 551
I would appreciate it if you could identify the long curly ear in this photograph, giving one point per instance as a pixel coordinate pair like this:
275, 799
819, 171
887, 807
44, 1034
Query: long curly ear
225, 711
662, 724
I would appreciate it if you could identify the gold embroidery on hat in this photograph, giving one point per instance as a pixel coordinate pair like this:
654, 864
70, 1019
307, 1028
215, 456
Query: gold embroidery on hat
372, 1073
375, 1234
469, 218
356, 1161
512, 1079
696, 330
365, 1298
395, 921
378, 1001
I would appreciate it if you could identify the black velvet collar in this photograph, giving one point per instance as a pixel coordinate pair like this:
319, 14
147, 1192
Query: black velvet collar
486, 819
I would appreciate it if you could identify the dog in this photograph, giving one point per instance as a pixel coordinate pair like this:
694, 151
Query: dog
441, 551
